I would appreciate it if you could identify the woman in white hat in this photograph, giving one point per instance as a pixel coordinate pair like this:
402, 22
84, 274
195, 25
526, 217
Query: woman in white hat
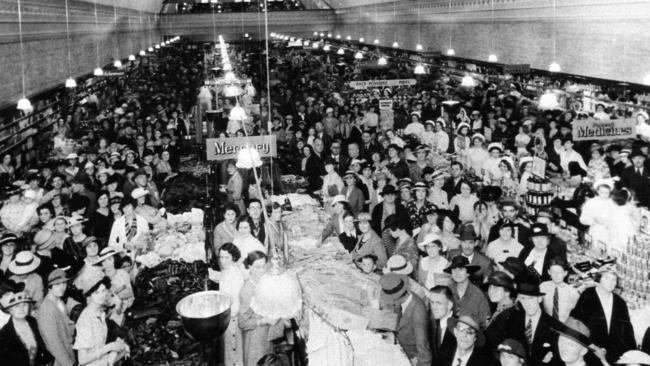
462, 139
596, 213
477, 154
441, 138
368, 241
109, 261
431, 271
23, 267
20, 341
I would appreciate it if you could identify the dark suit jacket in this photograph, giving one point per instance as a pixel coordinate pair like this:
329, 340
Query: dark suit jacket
343, 165
447, 345
356, 199
13, 351
480, 260
378, 212
314, 170
479, 357
497, 329
413, 332
544, 276
451, 188
366, 152
544, 339
639, 184
620, 337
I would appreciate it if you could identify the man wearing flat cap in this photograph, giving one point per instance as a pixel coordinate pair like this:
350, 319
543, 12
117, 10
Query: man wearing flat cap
412, 330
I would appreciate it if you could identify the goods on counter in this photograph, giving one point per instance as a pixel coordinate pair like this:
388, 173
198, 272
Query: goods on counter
187, 247
194, 167
539, 194
296, 199
634, 270
156, 336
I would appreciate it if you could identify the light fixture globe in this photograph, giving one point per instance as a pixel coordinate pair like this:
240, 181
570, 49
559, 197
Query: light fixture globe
232, 90
157, 46
418, 47
315, 34
395, 44
70, 83
361, 40
322, 34
382, 61
230, 77
306, 43
329, 35
376, 41
142, 53
326, 48
277, 294
24, 105
468, 82
314, 45
338, 36
131, 57
492, 58
358, 55
419, 70
150, 49
237, 113
98, 71
554, 67
646, 80
349, 38
451, 52
340, 51
548, 101
248, 158
117, 64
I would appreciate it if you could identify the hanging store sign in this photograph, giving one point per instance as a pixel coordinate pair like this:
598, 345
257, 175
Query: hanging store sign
228, 148
113, 73
516, 69
386, 104
591, 129
371, 84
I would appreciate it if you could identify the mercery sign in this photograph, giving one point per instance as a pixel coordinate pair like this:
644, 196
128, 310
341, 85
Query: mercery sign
591, 129
228, 148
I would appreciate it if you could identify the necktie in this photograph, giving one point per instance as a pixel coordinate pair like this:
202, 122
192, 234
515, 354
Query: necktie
556, 304
438, 333
529, 331
638, 171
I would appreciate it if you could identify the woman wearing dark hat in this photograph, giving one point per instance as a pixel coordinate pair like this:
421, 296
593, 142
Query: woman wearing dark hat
538, 256
54, 325
8, 244
20, 341
419, 206
102, 218
502, 294
128, 230
396, 165
511, 353
91, 329
417, 167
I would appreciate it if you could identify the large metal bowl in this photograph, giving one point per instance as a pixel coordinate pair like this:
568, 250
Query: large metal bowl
205, 315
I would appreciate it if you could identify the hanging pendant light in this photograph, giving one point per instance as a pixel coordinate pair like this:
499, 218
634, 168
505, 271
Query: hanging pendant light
382, 61
314, 45
329, 35
131, 57
554, 67
150, 49
70, 83
98, 72
451, 52
646, 80
376, 41
418, 47
117, 64
157, 46
338, 36
326, 48
23, 103
322, 34
306, 43
361, 40
248, 158
349, 38
492, 58
315, 34
232, 91
237, 113
358, 55
142, 53
340, 51
548, 101
230, 77
419, 70
395, 44
468, 82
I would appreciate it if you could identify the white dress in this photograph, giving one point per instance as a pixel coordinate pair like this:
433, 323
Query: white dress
433, 271
231, 283
476, 156
597, 213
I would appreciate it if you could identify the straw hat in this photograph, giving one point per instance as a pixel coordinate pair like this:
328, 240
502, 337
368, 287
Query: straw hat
139, 192
10, 299
399, 265
25, 262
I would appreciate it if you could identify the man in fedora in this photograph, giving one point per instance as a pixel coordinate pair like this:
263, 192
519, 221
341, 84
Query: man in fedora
412, 330
468, 242
469, 344
531, 326
443, 342
511, 353
538, 256
574, 344
468, 297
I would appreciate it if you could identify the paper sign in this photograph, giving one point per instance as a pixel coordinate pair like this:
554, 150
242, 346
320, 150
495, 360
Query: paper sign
228, 148
591, 129
386, 104
539, 167
368, 84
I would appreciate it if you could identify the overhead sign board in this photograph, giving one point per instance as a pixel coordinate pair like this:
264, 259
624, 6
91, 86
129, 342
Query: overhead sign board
591, 129
371, 84
228, 148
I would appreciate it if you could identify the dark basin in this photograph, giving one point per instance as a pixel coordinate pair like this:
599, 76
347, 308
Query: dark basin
205, 315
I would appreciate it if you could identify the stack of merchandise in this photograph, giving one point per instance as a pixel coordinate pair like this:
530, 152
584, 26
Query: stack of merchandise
634, 269
540, 194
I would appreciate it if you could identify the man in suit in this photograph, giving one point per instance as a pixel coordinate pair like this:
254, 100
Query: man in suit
531, 326
574, 344
509, 212
412, 329
637, 178
469, 299
452, 184
341, 162
469, 349
368, 147
443, 342
606, 316
352, 193
539, 256
468, 241
557, 245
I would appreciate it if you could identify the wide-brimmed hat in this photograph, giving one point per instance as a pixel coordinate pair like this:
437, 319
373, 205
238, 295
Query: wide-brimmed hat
513, 347
420, 185
25, 262
12, 189
495, 145
104, 254
350, 173
338, 199
364, 216
398, 264
467, 232
139, 192
431, 238
422, 148
10, 299
479, 136
88, 240
396, 147
461, 125
501, 279
514, 265
573, 329
44, 239
76, 220
634, 357
93, 279
461, 261
393, 287
440, 174
529, 288
71, 156
57, 276
539, 229
470, 322
8, 238
388, 189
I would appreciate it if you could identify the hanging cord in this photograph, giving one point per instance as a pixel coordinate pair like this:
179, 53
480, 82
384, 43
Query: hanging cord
67, 35
20, 38
268, 82
96, 33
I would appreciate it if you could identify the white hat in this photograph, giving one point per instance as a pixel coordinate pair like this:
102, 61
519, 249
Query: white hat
139, 192
89, 165
338, 199
105, 253
25, 262
72, 156
76, 220
429, 239
609, 182
441, 121
399, 265
106, 171
478, 136
634, 357
463, 124
525, 159
495, 145
329, 110
509, 161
